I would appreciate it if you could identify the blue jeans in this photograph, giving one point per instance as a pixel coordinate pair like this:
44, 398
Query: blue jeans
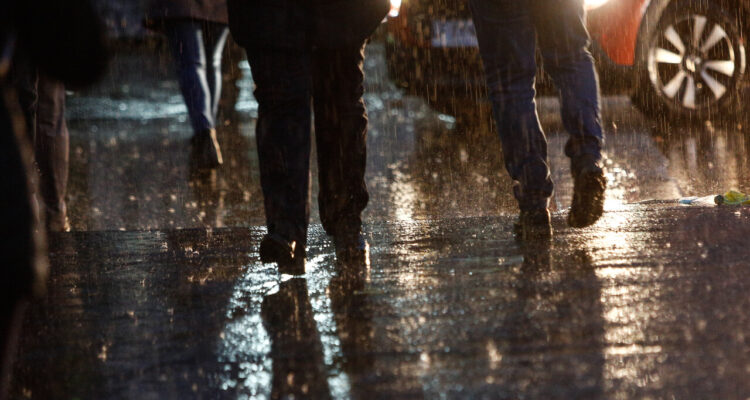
197, 48
508, 32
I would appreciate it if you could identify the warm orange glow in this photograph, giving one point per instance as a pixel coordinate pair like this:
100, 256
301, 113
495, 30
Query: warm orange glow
395, 8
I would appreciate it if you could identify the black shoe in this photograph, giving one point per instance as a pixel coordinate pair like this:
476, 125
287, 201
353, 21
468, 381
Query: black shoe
588, 194
350, 244
57, 223
206, 152
534, 224
289, 259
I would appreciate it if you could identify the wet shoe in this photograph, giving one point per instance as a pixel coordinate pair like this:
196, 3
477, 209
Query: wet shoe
350, 244
205, 153
588, 195
57, 224
533, 225
289, 259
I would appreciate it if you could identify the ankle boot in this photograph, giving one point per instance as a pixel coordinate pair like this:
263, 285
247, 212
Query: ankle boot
206, 152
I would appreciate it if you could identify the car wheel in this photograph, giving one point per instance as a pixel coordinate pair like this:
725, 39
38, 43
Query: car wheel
693, 63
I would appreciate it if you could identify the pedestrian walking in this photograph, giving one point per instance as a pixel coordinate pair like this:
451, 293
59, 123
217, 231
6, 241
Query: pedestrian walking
64, 42
298, 52
42, 100
508, 32
197, 32
22, 250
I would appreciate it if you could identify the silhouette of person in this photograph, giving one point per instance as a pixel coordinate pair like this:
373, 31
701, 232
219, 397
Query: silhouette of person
299, 370
298, 367
298, 52
557, 305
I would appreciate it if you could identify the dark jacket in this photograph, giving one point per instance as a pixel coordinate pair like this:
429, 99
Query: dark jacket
199, 10
278, 24
66, 41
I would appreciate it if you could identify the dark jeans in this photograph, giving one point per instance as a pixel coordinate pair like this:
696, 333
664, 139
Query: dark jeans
196, 48
42, 100
286, 81
508, 32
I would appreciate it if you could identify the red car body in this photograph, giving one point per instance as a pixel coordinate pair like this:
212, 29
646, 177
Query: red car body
615, 26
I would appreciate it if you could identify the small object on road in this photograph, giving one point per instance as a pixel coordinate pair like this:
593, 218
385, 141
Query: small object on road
732, 198
698, 201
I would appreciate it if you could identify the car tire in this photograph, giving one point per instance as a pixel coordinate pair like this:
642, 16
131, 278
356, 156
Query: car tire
692, 64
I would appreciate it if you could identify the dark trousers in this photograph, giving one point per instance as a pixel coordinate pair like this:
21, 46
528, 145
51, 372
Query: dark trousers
42, 100
22, 257
286, 83
197, 48
508, 32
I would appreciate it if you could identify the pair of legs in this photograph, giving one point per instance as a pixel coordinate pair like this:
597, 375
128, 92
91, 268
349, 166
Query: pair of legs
286, 83
42, 101
22, 248
508, 32
197, 48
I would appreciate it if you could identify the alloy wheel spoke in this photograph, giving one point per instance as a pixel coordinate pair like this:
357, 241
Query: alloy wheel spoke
699, 24
674, 85
716, 35
666, 57
723, 67
691, 61
716, 87
688, 100
674, 38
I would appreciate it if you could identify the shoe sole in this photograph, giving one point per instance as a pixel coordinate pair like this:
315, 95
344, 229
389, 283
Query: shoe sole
588, 199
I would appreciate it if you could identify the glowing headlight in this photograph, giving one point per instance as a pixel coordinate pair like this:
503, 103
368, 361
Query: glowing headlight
587, 4
395, 8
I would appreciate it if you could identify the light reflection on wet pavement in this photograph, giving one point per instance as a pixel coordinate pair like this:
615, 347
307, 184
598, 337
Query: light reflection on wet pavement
647, 303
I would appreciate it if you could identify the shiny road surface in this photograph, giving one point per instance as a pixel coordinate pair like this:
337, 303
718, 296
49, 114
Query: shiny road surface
159, 294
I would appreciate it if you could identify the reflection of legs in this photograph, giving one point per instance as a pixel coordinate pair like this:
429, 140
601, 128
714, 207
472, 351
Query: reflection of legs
283, 90
563, 41
340, 132
51, 149
352, 312
296, 350
563, 282
506, 42
214, 38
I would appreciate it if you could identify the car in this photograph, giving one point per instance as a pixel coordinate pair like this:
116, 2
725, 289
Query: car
683, 59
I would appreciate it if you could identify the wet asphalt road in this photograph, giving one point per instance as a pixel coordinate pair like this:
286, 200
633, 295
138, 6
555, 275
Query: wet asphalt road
158, 293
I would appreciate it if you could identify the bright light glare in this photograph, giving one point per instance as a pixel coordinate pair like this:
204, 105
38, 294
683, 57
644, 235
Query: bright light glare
587, 4
395, 8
